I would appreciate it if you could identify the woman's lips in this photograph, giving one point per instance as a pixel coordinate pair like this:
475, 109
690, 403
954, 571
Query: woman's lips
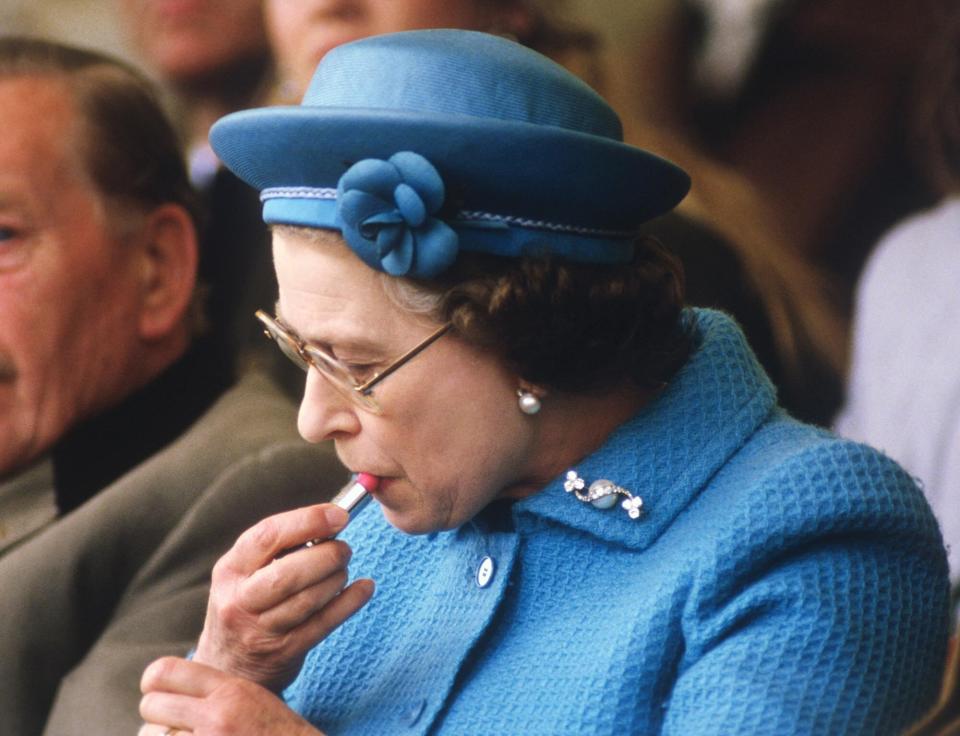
368, 481
372, 481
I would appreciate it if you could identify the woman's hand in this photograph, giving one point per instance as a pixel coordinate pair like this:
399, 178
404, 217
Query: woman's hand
200, 700
265, 612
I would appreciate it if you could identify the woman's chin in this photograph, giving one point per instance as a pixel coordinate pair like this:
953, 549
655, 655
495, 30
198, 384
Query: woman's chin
409, 521
405, 508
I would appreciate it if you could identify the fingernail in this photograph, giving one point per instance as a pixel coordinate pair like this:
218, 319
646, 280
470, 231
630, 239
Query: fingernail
336, 517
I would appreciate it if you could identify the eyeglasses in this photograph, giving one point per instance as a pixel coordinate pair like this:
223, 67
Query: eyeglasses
340, 375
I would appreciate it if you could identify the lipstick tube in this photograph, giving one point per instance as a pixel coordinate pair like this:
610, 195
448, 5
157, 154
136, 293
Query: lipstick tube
356, 494
352, 498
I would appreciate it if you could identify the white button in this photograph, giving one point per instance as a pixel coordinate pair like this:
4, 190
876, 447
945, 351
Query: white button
485, 571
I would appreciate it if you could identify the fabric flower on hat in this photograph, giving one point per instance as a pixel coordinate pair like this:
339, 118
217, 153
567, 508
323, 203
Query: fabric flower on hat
386, 213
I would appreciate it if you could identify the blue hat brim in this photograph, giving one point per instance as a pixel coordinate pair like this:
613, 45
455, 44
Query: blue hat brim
502, 166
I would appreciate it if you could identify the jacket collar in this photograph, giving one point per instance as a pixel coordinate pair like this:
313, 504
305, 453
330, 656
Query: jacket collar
99, 450
669, 451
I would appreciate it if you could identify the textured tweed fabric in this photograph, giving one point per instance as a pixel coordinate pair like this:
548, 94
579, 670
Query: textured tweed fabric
780, 581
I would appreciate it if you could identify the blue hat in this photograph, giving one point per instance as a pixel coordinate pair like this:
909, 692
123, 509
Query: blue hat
415, 145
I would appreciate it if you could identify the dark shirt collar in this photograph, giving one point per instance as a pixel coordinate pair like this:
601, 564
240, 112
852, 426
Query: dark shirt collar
101, 449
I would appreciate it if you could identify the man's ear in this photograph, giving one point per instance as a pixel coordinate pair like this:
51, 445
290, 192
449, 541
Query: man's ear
169, 253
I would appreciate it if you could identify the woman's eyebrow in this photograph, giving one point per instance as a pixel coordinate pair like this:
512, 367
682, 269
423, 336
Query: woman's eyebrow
351, 342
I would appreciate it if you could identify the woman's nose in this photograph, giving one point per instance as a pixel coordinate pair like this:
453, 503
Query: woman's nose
325, 413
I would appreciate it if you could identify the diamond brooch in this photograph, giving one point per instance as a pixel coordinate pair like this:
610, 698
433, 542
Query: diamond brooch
602, 494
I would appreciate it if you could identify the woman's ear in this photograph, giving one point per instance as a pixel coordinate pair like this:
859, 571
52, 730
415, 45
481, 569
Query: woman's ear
169, 253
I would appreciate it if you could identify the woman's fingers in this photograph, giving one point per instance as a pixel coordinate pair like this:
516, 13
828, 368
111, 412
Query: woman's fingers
287, 577
266, 610
176, 675
172, 710
220, 704
262, 543
331, 616
172, 688
152, 729
296, 609
312, 615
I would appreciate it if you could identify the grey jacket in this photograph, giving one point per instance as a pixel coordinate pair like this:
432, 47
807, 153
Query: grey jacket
86, 604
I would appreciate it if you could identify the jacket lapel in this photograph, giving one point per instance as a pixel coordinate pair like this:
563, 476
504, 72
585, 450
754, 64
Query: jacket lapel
669, 451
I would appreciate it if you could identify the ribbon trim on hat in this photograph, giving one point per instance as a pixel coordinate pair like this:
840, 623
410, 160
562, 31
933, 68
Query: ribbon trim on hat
468, 218
385, 211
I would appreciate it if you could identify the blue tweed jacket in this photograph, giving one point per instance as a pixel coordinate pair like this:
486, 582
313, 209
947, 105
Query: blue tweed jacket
780, 581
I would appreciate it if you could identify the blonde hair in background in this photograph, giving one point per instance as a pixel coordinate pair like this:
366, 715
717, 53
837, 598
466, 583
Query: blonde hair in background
801, 302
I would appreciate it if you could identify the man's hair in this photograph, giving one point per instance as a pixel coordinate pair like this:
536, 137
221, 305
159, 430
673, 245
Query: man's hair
130, 149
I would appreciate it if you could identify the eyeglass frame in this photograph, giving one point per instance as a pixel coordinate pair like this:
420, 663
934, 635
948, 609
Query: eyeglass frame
361, 393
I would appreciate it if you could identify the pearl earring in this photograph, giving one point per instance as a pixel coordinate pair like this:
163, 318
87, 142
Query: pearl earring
528, 402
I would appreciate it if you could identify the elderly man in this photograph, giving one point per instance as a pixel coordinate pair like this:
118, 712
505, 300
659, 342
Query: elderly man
97, 260
125, 469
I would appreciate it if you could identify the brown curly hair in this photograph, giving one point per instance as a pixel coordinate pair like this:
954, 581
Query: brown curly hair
572, 327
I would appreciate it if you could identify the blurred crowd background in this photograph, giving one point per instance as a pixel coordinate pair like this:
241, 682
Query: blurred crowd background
796, 119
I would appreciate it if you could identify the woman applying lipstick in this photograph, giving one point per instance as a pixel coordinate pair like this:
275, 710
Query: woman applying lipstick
592, 516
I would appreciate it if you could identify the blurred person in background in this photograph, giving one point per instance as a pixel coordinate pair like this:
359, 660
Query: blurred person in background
904, 389
124, 459
211, 54
213, 57
808, 101
301, 32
